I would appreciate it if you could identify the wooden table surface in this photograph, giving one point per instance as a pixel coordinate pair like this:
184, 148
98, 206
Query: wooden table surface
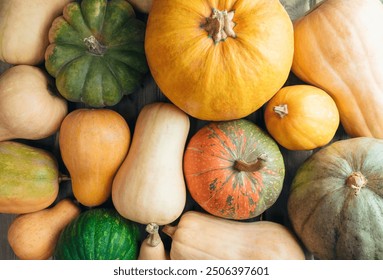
129, 108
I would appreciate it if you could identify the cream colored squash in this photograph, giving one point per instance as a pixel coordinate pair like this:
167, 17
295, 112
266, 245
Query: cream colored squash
149, 187
152, 247
24, 26
203, 236
28, 109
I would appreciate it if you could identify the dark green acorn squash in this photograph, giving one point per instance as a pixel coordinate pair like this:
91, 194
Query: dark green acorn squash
98, 234
96, 52
336, 200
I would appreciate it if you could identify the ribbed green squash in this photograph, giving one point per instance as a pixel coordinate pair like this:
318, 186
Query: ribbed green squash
96, 52
336, 200
28, 178
98, 234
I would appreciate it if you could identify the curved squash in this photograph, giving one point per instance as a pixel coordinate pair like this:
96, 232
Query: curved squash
34, 236
149, 186
24, 29
29, 109
93, 144
338, 48
201, 236
29, 178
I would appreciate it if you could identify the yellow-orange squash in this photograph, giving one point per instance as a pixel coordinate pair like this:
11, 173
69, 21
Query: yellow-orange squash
219, 60
338, 47
33, 236
93, 144
302, 117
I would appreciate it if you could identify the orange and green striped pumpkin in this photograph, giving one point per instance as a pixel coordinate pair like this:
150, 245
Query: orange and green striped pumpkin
233, 169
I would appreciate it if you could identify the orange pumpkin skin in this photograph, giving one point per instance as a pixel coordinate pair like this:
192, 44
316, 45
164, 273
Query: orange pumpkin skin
223, 80
302, 117
93, 144
338, 47
233, 169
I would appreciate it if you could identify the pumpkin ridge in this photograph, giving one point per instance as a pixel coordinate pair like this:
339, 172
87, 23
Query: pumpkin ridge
126, 64
313, 209
218, 137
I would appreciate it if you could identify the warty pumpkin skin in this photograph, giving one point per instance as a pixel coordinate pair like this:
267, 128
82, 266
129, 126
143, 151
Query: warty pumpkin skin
24, 27
149, 187
29, 178
233, 169
29, 108
301, 117
93, 144
200, 236
219, 74
335, 204
96, 52
338, 48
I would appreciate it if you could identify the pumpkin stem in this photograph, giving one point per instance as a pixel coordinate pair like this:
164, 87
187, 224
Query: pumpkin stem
153, 238
169, 230
220, 25
281, 110
356, 181
94, 46
256, 165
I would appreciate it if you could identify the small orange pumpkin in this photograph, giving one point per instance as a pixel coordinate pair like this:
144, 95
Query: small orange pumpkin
302, 117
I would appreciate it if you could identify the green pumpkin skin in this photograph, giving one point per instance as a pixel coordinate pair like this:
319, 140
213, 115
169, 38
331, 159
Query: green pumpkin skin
98, 234
28, 178
333, 219
96, 52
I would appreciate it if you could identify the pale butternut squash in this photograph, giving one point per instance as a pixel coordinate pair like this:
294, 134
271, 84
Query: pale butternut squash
24, 27
201, 236
149, 187
33, 236
93, 144
29, 109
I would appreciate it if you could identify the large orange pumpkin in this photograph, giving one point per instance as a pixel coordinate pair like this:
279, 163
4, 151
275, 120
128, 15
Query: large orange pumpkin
219, 60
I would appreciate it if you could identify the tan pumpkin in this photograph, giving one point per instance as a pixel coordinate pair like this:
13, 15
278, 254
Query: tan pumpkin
338, 47
29, 109
219, 60
301, 117
201, 236
149, 187
93, 144
33, 236
24, 29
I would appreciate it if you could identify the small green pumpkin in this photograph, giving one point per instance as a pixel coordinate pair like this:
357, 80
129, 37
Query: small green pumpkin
98, 234
336, 200
96, 52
